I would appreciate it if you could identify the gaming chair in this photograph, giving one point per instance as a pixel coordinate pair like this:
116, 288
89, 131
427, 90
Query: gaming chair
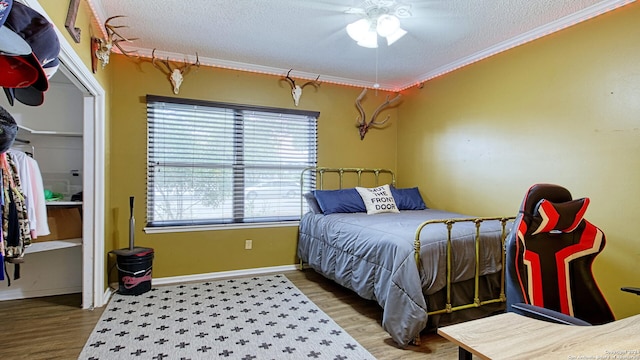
549, 256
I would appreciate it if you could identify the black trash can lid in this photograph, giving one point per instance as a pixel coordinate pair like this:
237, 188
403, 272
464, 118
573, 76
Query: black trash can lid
136, 251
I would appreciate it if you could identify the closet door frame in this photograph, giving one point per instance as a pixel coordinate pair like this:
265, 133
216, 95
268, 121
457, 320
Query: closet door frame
94, 291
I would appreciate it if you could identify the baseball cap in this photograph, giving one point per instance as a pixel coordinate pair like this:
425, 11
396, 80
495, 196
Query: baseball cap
8, 130
40, 35
17, 72
10, 42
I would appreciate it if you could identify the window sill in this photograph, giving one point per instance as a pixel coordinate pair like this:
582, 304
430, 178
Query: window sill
175, 229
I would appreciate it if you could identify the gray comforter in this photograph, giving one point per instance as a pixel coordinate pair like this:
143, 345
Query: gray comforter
373, 255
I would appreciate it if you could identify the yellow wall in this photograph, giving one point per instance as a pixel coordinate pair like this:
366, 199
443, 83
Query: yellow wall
212, 251
564, 109
127, 81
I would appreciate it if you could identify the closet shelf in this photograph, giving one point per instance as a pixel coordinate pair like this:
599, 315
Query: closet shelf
50, 132
52, 245
64, 203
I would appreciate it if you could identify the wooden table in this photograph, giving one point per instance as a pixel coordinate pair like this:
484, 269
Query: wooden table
513, 336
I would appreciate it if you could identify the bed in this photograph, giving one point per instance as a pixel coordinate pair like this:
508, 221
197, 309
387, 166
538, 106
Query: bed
425, 267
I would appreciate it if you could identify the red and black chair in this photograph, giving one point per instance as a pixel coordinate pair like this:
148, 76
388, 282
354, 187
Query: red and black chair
550, 253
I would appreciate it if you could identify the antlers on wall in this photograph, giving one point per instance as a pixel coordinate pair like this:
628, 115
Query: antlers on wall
113, 38
296, 90
176, 73
362, 124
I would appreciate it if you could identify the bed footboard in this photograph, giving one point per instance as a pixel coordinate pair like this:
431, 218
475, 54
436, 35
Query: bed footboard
449, 223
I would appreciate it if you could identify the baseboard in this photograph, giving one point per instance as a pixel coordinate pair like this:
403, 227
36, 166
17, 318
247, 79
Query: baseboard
22, 294
108, 292
204, 277
10, 294
221, 275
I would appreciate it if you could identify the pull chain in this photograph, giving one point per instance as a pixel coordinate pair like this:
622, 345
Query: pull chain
376, 85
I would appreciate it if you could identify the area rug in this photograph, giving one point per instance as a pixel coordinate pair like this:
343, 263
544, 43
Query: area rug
264, 317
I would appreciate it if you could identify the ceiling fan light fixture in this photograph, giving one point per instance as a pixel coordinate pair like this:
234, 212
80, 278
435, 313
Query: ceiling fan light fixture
369, 40
358, 30
379, 17
395, 36
387, 25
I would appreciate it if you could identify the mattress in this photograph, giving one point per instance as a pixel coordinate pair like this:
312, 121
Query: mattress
374, 256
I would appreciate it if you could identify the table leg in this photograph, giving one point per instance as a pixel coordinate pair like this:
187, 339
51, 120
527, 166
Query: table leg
463, 354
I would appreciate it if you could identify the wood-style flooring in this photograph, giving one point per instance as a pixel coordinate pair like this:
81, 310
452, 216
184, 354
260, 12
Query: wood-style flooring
56, 327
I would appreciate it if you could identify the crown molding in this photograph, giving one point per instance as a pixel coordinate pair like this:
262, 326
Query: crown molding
260, 69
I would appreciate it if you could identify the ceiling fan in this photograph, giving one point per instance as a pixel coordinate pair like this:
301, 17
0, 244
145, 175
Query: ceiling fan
379, 18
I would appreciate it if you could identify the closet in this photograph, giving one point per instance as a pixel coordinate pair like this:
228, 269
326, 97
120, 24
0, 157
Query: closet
53, 134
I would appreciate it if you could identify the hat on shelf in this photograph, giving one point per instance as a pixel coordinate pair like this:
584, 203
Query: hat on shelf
41, 37
10, 43
16, 70
8, 130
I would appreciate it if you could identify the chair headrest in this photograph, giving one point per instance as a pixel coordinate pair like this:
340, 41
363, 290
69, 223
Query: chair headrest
537, 192
558, 217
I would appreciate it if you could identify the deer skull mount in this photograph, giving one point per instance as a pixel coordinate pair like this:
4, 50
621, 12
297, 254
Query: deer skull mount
362, 124
104, 46
176, 74
296, 90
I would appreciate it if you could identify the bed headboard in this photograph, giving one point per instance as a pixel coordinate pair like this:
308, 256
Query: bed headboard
326, 178
338, 178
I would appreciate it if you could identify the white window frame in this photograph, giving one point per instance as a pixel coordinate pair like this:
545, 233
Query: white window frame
236, 169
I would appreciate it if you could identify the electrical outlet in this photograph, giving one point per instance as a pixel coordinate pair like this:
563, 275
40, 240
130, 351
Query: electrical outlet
248, 244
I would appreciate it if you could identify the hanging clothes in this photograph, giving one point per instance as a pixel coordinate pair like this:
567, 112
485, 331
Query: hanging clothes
9, 184
2, 263
15, 221
33, 190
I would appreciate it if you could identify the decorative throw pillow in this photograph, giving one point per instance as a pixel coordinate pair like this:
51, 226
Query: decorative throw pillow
408, 199
339, 201
313, 203
378, 200
564, 217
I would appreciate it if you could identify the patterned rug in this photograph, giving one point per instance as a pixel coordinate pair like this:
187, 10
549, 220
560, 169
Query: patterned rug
264, 317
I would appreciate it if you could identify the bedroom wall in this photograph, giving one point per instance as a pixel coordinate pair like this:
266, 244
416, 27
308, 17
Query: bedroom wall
188, 253
126, 83
564, 109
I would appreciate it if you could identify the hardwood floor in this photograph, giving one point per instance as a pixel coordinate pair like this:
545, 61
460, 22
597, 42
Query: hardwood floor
362, 320
52, 327
56, 328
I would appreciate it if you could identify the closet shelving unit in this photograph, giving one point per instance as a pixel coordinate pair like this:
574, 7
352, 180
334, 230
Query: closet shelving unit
55, 129
53, 244
56, 244
52, 266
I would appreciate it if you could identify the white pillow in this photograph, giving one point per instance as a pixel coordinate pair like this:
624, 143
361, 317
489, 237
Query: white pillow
378, 200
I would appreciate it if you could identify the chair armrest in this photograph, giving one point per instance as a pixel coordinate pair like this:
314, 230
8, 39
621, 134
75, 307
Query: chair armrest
634, 290
544, 314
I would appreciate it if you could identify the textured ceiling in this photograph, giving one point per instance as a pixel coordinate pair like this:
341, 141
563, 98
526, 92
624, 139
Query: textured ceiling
309, 36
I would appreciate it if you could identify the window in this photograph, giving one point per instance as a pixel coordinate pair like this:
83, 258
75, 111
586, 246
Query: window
217, 163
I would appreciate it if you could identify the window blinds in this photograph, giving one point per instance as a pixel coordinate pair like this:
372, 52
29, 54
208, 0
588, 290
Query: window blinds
224, 163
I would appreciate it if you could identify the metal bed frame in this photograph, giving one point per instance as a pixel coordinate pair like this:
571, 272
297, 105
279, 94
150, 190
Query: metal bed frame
449, 223
449, 308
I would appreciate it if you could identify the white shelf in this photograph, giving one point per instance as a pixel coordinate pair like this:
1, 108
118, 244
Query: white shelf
52, 245
50, 132
64, 203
